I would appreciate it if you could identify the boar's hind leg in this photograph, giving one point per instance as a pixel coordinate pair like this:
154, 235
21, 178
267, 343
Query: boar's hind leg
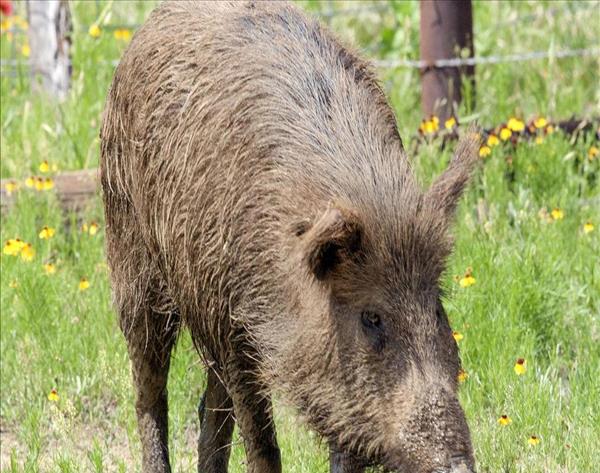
150, 351
216, 426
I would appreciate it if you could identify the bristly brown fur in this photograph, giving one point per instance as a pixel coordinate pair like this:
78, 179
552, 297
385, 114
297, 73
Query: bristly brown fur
257, 192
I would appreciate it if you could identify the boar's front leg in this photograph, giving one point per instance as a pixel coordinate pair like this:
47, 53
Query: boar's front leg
216, 426
340, 462
254, 416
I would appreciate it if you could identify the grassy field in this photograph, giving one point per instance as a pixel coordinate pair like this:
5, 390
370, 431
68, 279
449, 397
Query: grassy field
525, 228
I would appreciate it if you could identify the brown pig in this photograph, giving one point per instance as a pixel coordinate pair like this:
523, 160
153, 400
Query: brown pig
257, 193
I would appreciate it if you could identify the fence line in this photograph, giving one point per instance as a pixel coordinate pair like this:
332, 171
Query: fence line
474, 61
7, 64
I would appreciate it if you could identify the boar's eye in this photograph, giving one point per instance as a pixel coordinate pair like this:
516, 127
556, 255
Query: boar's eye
373, 329
370, 319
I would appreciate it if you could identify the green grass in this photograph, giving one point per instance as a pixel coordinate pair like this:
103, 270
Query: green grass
537, 291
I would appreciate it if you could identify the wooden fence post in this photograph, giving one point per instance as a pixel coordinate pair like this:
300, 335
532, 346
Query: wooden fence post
446, 31
49, 33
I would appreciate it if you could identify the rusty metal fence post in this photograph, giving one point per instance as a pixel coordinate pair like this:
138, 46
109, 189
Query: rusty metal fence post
446, 32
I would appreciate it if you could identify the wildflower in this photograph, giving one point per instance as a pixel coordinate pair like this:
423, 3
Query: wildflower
53, 396
11, 186
46, 233
492, 140
533, 440
484, 151
44, 167
450, 124
588, 227
429, 126
549, 129
516, 125
93, 228
13, 246
27, 252
593, 152
505, 134
47, 184
25, 50
539, 140
122, 34
557, 214
84, 284
540, 122
85, 228
94, 31
504, 420
457, 336
467, 280
49, 268
30, 182
462, 376
5, 25
520, 366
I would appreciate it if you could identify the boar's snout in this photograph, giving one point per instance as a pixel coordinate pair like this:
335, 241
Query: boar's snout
433, 434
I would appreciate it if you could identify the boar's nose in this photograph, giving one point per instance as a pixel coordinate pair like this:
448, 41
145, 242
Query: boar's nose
458, 464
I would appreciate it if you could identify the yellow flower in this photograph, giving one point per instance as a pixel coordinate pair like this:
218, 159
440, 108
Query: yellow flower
27, 252
467, 280
46, 233
540, 122
11, 186
520, 366
25, 50
492, 140
30, 182
84, 228
539, 140
588, 227
84, 284
13, 246
47, 184
93, 228
44, 166
5, 24
462, 376
593, 152
429, 126
450, 123
533, 440
94, 31
122, 34
515, 124
49, 268
550, 129
38, 183
505, 134
457, 336
484, 151
53, 396
557, 214
504, 420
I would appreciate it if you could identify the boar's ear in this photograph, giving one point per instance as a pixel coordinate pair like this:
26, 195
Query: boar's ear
335, 235
447, 189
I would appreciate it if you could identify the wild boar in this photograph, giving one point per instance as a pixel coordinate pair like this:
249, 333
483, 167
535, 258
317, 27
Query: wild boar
257, 193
